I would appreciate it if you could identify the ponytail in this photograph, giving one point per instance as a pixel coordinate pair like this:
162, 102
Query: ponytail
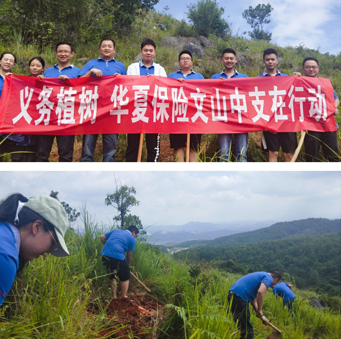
8, 208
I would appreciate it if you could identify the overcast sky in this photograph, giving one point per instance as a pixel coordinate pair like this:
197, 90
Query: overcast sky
314, 23
175, 198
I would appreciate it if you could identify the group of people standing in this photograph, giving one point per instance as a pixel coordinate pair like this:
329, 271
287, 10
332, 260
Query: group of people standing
38, 148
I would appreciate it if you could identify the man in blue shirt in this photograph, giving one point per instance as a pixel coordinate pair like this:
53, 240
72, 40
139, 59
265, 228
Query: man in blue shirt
62, 70
229, 61
315, 140
250, 289
116, 244
284, 290
104, 65
274, 141
178, 141
146, 67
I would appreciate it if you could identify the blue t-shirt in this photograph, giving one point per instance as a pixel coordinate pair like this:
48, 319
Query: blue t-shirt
118, 243
107, 67
191, 76
278, 73
223, 75
9, 259
247, 286
144, 70
2, 80
70, 71
282, 289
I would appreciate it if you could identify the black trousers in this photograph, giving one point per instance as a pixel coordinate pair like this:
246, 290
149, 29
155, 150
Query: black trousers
153, 147
327, 140
241, 313
65, 147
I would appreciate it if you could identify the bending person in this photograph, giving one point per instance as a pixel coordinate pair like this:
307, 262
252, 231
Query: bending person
29, 228
116, 244
250, 289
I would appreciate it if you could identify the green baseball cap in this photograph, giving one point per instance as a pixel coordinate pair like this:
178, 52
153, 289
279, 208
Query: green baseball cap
53, 212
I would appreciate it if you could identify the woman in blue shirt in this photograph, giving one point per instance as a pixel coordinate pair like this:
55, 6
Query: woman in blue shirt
29, 228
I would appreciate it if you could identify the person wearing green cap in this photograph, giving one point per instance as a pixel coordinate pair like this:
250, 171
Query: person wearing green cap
29, 228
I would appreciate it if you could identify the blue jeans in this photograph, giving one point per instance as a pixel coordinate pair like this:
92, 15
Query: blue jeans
109, 147
225, 141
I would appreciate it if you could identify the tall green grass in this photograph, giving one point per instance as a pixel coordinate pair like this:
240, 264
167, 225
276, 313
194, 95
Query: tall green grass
65, 297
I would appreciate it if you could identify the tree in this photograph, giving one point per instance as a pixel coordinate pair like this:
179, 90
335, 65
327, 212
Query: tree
206, 18
72, 213
122, 200
257, 17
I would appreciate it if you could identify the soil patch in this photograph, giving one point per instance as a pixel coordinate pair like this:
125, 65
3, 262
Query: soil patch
139, 314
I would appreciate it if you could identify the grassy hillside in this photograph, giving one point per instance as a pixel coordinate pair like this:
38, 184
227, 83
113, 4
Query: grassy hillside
68, 298
314, 261
128, 47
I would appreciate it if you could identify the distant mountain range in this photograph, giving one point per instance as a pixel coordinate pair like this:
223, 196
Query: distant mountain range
199, 231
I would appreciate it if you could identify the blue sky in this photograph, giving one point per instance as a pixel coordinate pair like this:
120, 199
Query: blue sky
315, 24
178, 197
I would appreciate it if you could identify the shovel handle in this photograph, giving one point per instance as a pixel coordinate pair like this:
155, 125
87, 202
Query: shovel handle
275, 328
140, 282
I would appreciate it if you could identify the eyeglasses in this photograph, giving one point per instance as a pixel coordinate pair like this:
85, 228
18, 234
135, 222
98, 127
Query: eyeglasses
311, 67
185, 59
54, 244
64, 52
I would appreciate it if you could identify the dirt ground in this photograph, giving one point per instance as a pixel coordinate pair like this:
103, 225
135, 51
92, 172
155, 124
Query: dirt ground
138, 314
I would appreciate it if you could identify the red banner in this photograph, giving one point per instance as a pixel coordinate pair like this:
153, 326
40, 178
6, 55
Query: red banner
139, 104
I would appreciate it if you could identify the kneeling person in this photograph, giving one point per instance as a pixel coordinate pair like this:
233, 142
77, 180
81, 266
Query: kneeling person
116, 244
178, 141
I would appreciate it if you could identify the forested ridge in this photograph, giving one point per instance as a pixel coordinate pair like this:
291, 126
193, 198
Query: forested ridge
280, 230
312, 262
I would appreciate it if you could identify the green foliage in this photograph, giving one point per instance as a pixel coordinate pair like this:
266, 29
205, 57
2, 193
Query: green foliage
206, 17
183, 29
72, 213
123, 199
257, 17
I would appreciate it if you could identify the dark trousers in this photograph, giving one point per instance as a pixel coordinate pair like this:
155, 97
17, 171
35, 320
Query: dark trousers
241, 314
153, 147
18, 152
65, 147
328, 140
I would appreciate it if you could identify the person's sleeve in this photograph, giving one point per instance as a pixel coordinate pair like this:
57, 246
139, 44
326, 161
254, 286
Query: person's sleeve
130, 70
335, 96
267, 280
215, 76
274, 291
132, 245
86, 68
163, 72
107, 235
8, 273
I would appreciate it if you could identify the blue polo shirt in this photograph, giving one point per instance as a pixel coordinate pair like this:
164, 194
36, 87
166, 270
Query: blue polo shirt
9, 258
107, 67
118, 243
70, 71
282, 289
2, 80
223, 75
247, 286
191, 76
278, 73
144, 70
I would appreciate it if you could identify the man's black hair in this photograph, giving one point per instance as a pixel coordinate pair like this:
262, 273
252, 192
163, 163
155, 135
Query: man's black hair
309, 58
228, 50
40, 59
269, 51
133, 229
64, 43
6, 52
185, 52
148, 41
276, 274
105, 39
